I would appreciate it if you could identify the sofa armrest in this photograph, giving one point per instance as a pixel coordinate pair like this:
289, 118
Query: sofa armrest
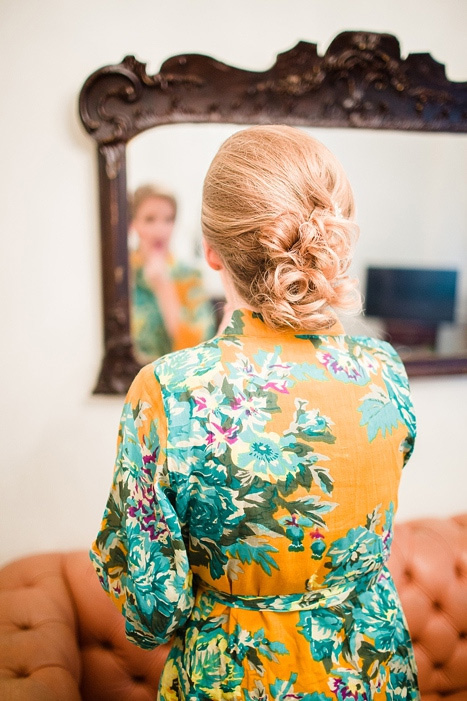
112, 668
62, 639
39, 654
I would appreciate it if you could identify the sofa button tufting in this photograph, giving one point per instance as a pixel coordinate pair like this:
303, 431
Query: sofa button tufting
438, 665
437, 605
462, 635
106, 644
22, 673
139, 678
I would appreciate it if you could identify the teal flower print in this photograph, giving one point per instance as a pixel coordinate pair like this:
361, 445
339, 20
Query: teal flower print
322, 628
273, 372
206, 401
272, 456
318, 544
358, 553
342, 366
254, 549
310, 424
387, 534
401, 684
220, 436
253, 647
379, 618
180, 414
188, 365
347, 685
251, 410
259, 693
283, 690
294, 532
210, 665
161, 586
211, 509
259, 453
142, 512
378, 413
264, 452
265, 373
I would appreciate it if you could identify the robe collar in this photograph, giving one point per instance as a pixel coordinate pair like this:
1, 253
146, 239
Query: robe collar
245, 322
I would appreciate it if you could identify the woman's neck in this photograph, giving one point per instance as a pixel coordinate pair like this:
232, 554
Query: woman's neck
233, 299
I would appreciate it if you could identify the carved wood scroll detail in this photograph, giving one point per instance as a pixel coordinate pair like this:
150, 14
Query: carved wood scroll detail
361, 81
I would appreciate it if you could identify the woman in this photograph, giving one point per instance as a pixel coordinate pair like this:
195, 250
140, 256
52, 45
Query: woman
170, 309
251, 512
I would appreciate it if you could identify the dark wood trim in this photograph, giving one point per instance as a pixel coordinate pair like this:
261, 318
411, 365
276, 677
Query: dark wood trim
437, 365
361, 81
119, 365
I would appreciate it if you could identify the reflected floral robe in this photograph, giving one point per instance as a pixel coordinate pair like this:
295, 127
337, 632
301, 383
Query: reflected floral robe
197, 322
251, 514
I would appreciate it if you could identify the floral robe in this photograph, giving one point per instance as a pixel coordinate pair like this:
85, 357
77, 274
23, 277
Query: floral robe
251, 516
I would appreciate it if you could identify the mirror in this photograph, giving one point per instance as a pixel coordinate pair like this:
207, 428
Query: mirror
359, 82
404, 215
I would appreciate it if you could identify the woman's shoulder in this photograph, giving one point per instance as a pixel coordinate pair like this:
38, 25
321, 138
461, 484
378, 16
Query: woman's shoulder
372, 343
383, 350
183, 366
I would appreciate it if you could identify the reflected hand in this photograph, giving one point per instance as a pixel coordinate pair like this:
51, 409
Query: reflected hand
156, 269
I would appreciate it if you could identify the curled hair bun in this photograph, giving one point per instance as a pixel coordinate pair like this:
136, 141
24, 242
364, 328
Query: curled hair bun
278, 209
307, 271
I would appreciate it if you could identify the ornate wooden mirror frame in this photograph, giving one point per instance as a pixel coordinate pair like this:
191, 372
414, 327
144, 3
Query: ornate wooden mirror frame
360, 82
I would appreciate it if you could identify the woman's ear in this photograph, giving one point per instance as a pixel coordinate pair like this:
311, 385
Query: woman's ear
212, 258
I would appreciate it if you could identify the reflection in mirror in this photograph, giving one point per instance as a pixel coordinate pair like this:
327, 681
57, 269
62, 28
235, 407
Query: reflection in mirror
411, 210
169, 307
177, 157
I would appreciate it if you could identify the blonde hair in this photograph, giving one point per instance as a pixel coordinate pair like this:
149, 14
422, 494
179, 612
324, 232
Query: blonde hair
144, 192
278, 209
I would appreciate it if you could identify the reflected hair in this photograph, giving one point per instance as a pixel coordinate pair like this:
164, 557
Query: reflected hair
145, 192
278, 209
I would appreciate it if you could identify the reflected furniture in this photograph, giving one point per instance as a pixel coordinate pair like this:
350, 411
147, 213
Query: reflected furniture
61, 639
411, 302
361, 81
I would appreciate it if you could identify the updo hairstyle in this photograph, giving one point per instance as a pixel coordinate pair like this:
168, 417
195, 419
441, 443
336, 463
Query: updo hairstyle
144, 192
278, 210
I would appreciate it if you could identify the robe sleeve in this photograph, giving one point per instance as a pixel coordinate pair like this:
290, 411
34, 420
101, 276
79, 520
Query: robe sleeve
403, 398
139, 553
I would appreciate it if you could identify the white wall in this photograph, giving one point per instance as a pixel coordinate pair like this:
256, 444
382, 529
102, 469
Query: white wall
58, 439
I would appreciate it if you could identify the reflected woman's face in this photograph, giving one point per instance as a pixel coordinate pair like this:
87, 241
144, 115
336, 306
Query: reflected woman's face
154, 222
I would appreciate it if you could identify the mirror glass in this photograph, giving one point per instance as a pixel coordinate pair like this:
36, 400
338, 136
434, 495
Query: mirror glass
411, 209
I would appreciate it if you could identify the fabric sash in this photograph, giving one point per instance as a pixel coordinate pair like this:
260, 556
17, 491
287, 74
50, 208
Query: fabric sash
322, 597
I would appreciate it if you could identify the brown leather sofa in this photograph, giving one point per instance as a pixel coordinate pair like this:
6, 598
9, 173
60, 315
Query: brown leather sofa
62, 640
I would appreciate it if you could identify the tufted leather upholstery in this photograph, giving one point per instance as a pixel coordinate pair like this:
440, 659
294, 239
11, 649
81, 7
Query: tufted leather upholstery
429, 564
62, 640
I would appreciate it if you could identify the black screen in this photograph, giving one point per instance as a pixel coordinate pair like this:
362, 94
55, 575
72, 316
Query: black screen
417, 294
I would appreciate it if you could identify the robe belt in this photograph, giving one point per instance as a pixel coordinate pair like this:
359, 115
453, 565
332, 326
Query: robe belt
316, 598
